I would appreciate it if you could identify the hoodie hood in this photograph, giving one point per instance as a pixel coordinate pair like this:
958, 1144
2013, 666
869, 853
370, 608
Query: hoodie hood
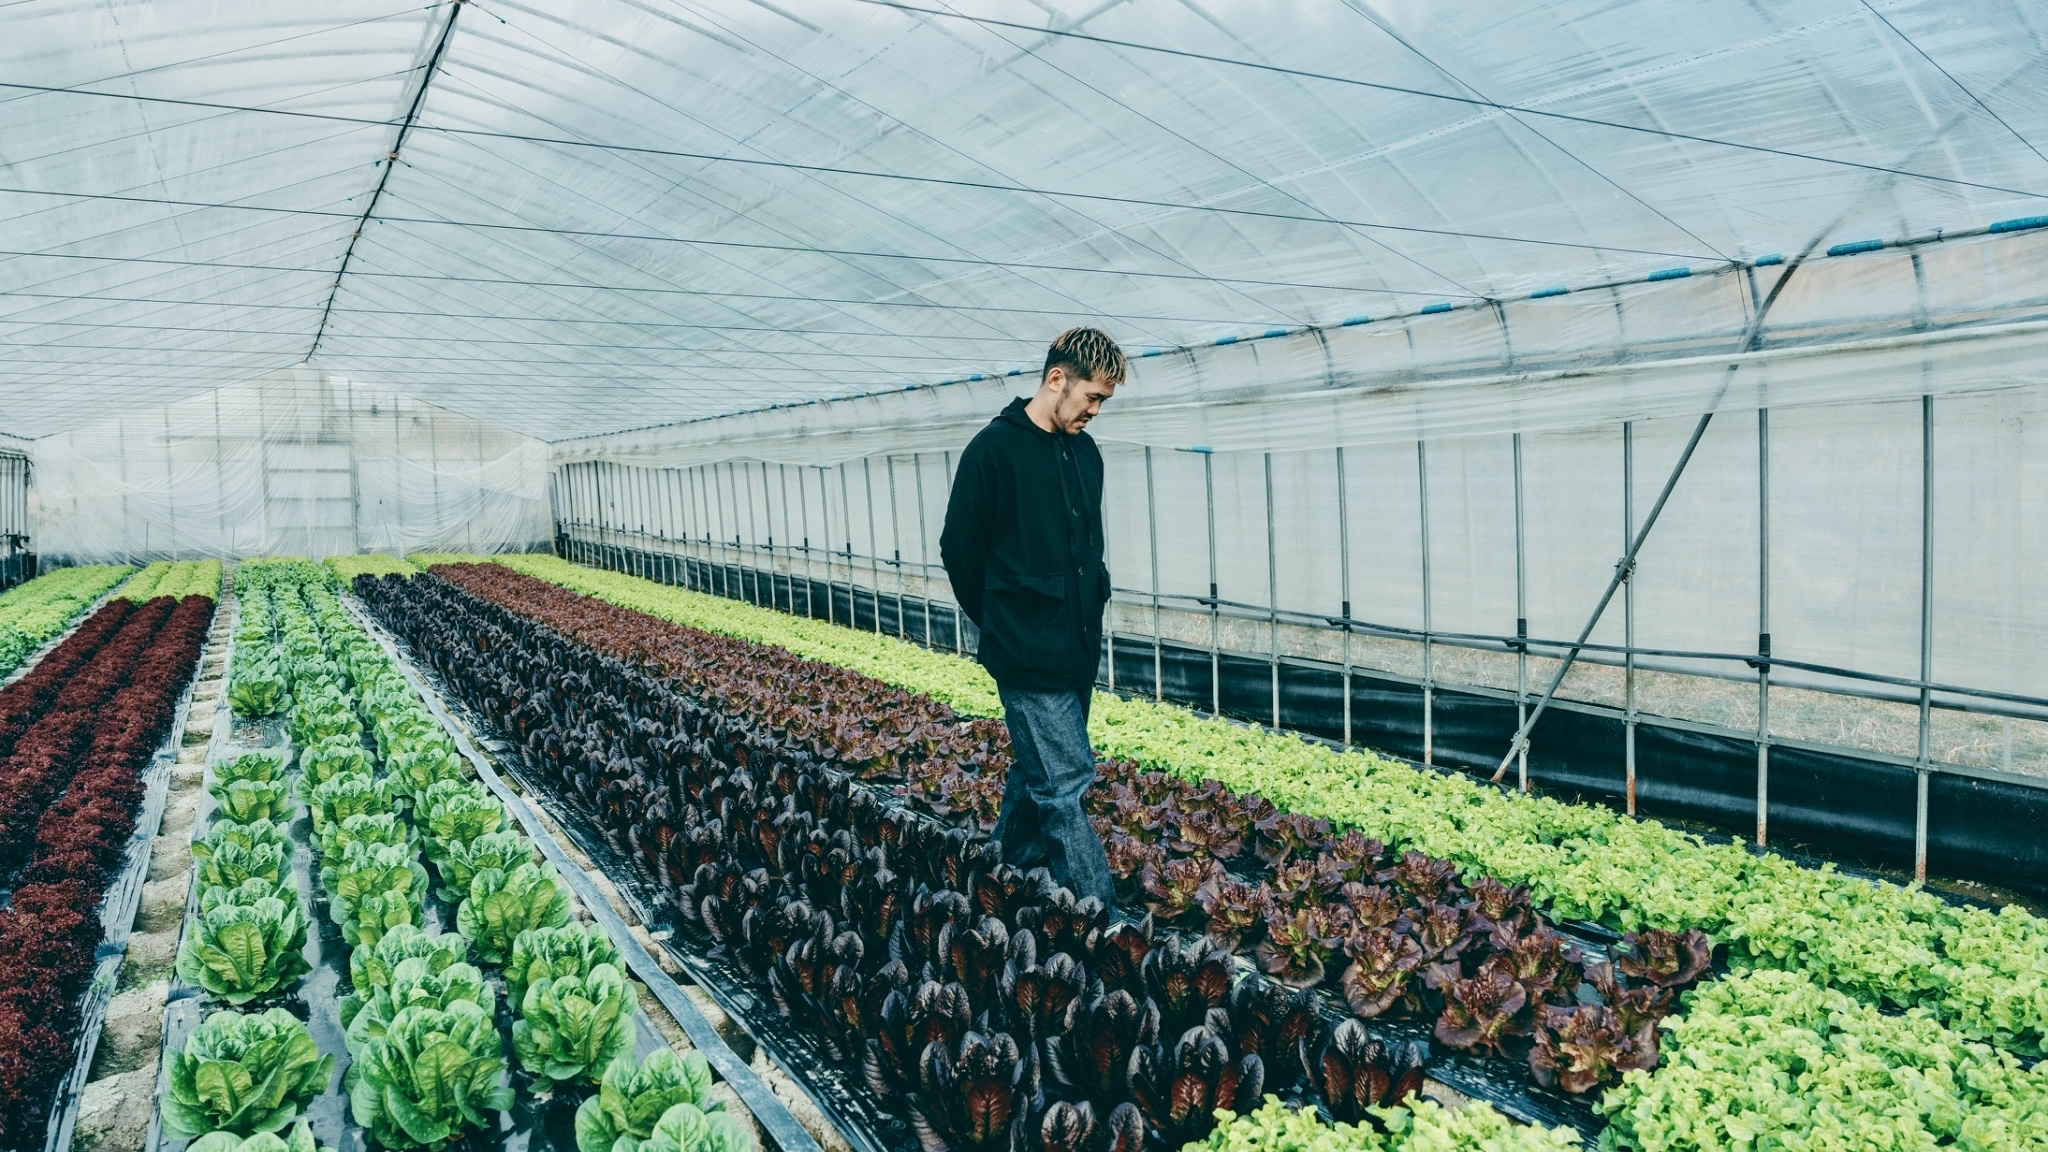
1015, 414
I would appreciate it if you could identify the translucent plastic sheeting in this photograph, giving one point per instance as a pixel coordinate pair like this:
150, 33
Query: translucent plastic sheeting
607, 214
1839, 329
296, 463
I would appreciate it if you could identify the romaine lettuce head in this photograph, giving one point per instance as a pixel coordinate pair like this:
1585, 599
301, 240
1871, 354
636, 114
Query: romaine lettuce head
503, 904
634, 1097
572, 1027
432, 1075
247, 941
243, 1074
571, 949
416, 983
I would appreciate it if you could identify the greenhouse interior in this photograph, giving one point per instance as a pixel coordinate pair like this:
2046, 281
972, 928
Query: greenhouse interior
981, 576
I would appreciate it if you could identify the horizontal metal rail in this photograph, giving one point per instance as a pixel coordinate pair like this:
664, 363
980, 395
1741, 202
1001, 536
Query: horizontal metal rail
1909, 687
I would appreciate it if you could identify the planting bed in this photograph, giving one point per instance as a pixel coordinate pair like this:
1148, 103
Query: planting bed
1965, 973
76, 735
669, 793
345, 844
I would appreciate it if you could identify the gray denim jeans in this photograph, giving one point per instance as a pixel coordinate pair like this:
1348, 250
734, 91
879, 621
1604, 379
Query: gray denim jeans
1043, 823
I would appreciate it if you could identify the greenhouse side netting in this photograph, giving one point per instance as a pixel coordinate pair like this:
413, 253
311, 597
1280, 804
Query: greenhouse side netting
1389, 534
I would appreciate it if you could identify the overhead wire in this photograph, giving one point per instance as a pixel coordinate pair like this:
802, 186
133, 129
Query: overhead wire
1474, 101
1317, 214
1953, 79
694, 241
412, 113
827, 84
917, 178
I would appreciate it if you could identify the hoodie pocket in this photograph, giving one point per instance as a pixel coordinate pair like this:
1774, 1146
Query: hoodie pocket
1024, 620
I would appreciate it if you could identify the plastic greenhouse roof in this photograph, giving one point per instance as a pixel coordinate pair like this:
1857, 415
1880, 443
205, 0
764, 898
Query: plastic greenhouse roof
611, 213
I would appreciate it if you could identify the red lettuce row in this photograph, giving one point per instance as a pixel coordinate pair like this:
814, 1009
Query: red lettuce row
1403, 936
94, 711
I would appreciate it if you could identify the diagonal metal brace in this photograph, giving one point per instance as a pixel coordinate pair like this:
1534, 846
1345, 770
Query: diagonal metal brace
1624, 568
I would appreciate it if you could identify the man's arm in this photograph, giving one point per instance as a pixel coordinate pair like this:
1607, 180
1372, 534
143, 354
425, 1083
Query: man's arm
963, 544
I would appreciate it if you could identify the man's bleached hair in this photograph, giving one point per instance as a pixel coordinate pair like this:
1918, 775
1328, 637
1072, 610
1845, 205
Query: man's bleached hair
1088, 353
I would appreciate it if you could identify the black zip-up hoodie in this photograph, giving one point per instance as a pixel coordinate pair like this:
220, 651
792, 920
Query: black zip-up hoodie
1023, 548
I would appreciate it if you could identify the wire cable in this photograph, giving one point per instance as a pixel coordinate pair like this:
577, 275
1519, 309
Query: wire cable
1472, 101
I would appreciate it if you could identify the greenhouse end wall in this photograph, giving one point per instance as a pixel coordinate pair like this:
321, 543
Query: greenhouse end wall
295, 463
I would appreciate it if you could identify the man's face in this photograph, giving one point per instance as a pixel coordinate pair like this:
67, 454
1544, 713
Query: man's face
1080, 398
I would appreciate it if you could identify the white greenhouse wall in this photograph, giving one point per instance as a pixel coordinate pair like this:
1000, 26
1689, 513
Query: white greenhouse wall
298, 463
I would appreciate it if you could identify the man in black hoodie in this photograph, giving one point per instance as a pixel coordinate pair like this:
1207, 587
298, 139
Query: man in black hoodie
1023, 549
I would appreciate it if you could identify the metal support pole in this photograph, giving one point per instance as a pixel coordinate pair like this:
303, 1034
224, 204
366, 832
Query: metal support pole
1215, 620
896, 541
867, 481
1152, 537
1428, 627
764, 561
1521, 622
852, 588
1272, 593
803, 509
1926, 634
1628, 612
825, 513
924, 547
1763, 626
1344, 582
959, 618
788, 552
597, 507
678, 534
643, 496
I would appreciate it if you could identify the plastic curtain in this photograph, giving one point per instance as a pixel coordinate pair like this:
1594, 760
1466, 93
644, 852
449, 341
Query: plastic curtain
295, 463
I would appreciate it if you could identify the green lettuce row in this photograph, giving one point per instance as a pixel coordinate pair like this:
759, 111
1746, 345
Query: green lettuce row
1419, 1126
427, 1064
35, 612
1769, 1060
176, 579
347, 568
1983, 973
